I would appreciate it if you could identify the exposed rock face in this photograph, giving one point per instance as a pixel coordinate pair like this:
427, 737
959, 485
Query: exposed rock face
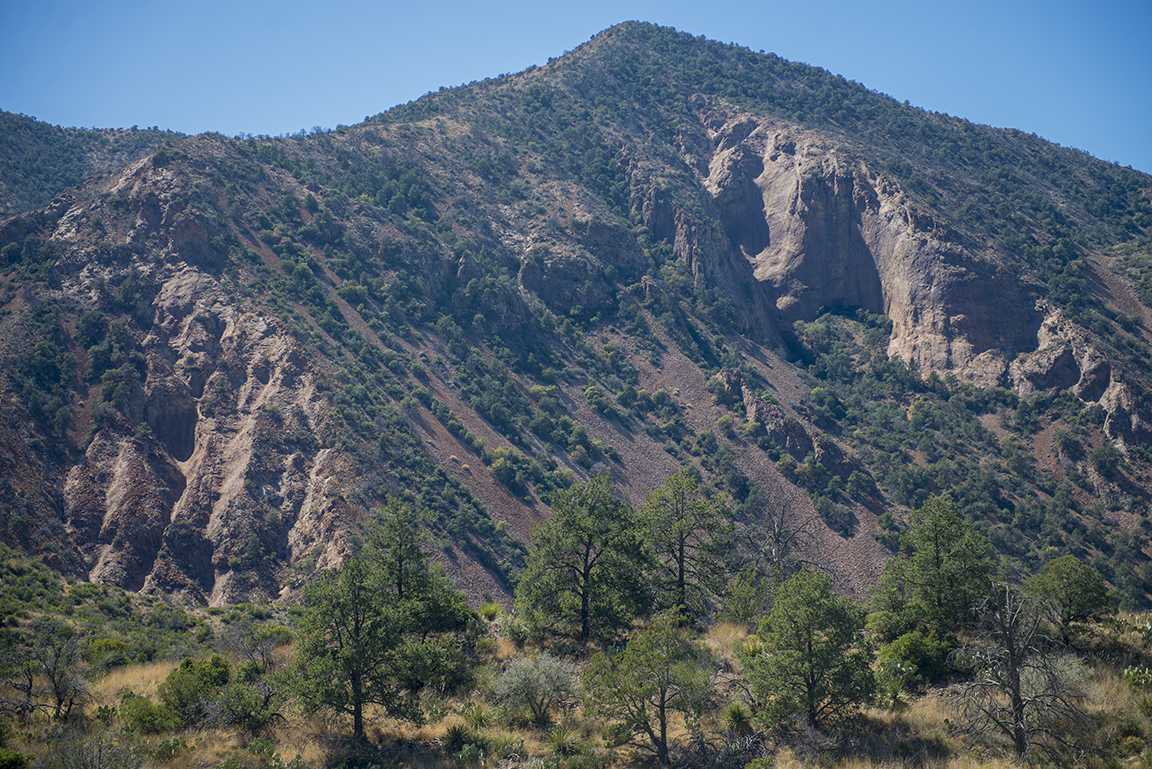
233, 420
818, 232
784, 431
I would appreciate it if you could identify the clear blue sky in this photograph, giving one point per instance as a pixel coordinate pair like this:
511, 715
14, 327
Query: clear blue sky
1079, 74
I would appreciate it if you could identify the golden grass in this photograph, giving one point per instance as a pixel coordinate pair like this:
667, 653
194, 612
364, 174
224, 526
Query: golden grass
141, 679
722, 639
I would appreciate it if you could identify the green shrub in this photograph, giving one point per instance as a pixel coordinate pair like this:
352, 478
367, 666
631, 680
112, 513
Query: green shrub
1138, 677
563, 741
537, 685
144, 716
189, 688
11, 759
169, 749
926, 651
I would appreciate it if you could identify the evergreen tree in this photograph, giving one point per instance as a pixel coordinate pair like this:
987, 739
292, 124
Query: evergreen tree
815, 660
942, 574
1071, 591
689, 537
373, 633
660, 672
586, 565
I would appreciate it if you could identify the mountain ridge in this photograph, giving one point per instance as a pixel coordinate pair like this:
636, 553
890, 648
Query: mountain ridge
481, 296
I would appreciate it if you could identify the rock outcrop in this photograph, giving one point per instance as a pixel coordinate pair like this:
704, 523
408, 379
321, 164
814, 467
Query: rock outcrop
819, 231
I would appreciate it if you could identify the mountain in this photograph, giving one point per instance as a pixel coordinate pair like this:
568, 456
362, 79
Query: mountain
656, 251
38, 161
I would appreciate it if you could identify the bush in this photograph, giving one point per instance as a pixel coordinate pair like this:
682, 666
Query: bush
537, 685
11, 759
188, 689
1138, 677
927, 652
145, 716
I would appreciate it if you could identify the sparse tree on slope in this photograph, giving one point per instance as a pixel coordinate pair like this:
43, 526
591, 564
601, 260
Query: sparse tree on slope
1071, 591
815, 660
660, 672
1023, 688
369, 635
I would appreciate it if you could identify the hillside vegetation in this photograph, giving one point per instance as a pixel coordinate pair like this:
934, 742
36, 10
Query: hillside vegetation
656, 257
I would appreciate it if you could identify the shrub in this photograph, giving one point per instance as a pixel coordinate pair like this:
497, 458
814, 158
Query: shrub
536, 684
1138, 677
476, 715
457, 737
146, 717
927, 652
736, 718
189, 688
11, 759
564, 742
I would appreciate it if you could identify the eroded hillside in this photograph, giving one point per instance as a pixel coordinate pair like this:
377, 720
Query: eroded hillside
219, 358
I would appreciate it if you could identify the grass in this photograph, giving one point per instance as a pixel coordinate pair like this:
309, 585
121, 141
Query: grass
141, 679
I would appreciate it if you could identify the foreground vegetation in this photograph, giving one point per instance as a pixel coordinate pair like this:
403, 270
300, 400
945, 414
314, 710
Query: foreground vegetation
636, 640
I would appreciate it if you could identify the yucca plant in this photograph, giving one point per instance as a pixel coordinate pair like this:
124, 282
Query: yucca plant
737, 718
457, 737
477, 715
563, 741
893, 696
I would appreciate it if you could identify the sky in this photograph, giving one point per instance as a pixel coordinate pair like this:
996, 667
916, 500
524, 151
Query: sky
1077, 74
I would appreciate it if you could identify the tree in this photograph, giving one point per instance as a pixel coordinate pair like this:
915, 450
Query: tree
369, 633
660, 672
1071, 591
189, 690
1022, 689
771, 549
256, 642
689, 537
950, 567
586, 564
814, 659
536, 684
58, 659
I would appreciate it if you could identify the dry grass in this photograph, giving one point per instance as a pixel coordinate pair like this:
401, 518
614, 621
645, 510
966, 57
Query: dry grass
921, 735
141, 679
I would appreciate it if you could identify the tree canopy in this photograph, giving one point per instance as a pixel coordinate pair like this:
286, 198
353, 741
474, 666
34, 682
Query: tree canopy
815, 660
688, 535
587, 564
372, 632
1072, 591
660, 671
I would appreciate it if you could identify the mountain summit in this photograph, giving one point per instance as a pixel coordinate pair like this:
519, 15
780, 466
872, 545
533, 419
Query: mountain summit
655, 252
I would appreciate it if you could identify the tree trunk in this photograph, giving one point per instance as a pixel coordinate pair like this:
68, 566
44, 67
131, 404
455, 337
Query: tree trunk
357, 710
